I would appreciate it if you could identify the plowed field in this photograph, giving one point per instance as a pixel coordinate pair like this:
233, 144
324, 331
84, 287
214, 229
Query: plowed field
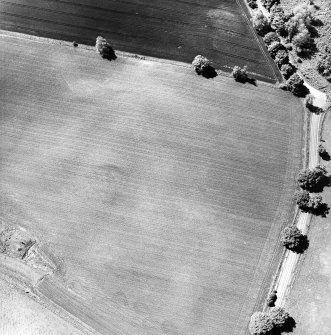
162, 192
172, 29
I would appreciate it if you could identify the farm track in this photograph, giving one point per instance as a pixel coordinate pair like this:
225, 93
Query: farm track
219, 31
142, 177
288, 268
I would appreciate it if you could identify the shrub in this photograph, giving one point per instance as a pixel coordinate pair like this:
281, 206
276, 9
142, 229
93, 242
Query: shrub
261, 324
252, 4
281, 319
292, 238
104, 48
269, 3
200, 64
270, 38
240, 74
287, 70
295, 85
261, 23
324, 66
278, 20
272, 297
281, 57
312, 180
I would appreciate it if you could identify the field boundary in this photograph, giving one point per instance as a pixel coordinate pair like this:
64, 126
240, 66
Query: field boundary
246, 11
124, 54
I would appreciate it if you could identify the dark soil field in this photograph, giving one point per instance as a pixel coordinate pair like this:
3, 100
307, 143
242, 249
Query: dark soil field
162, 192
171, 29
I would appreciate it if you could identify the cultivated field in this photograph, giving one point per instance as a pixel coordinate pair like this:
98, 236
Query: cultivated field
172, 29
162, 192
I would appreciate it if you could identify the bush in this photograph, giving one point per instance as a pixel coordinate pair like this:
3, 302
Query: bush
104, 48
261, 23
261, 324
200, 64
312, 180
292, 238
252, 4
269, 3
278, 20
240, 74
281, 57
287, 70
270, 38
324, 66
274, 47
295, 85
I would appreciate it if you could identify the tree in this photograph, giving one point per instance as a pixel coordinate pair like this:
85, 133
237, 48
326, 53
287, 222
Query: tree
261, 23
287, 70
201, 64
240, 74
281, 57
274, 47
303, 42
278, 20
303, 16
261, 324
302, 198
269, 3
270, 38
104, 48
292, 239
324, 65
295, 85
312, 180
315, 202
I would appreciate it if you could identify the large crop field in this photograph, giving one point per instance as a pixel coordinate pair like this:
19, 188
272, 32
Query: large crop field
172, 29
162, 192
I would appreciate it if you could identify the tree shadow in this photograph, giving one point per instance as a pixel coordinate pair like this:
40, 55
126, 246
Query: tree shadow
108, 53
302, 92
288, 327
303, 245
247, 79
324, 181
317, 22
209, 72
325, 156
322, 210
308, 51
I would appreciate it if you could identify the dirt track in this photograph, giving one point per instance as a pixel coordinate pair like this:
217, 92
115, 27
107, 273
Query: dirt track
291, 259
